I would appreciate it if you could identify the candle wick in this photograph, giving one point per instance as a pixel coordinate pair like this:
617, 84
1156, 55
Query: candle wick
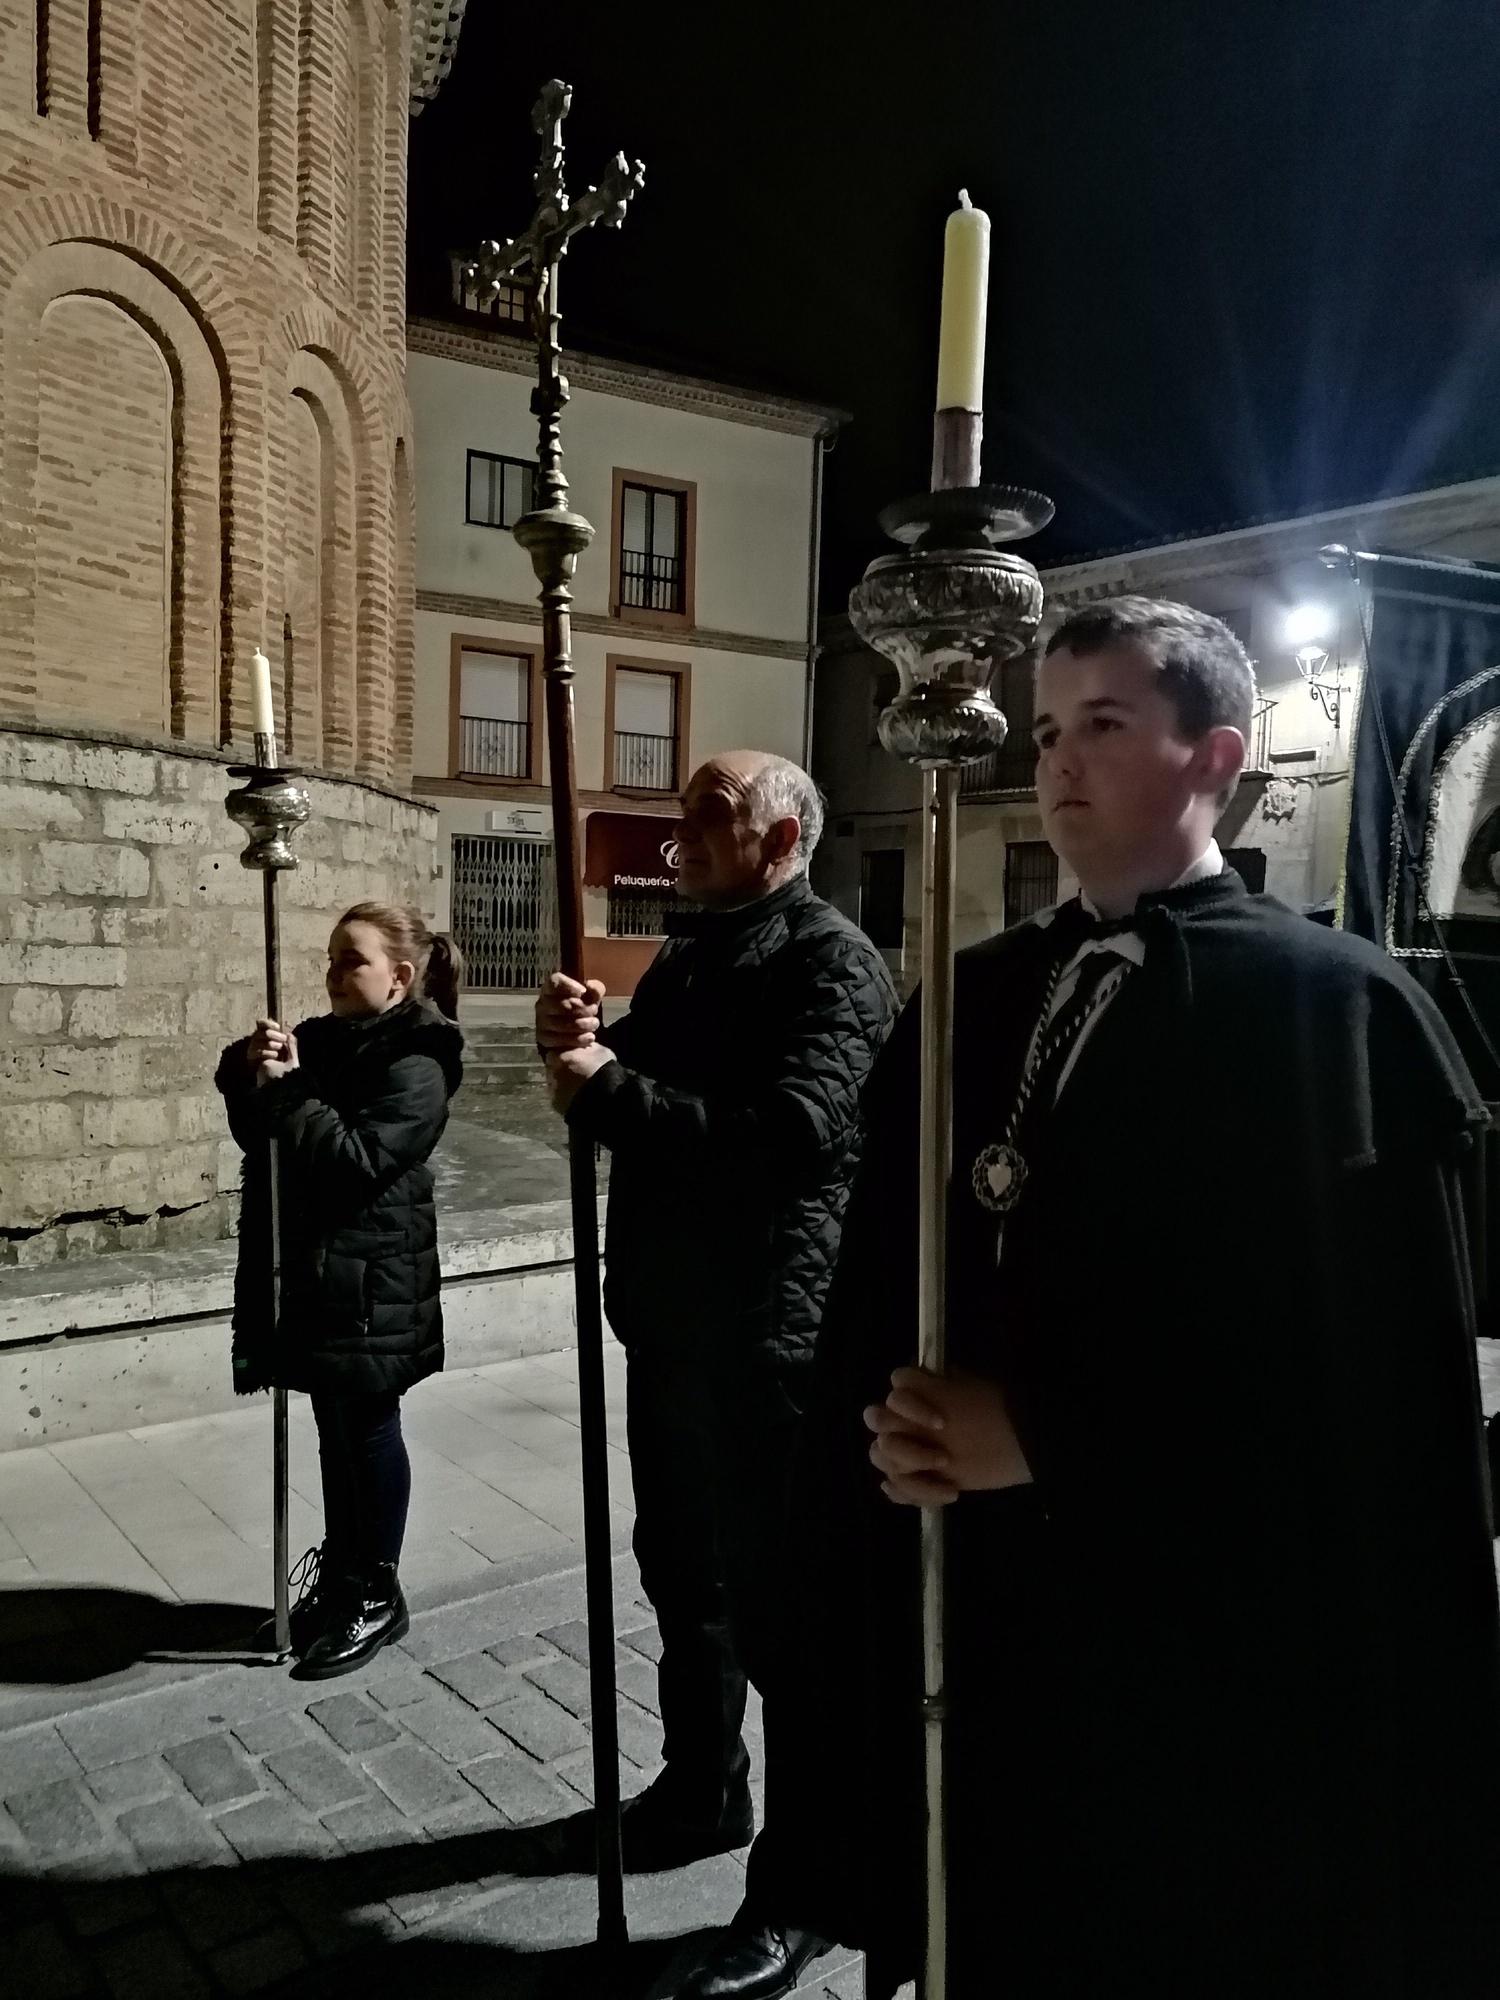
963, 198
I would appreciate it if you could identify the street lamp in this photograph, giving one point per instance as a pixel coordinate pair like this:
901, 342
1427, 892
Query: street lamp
1307, 630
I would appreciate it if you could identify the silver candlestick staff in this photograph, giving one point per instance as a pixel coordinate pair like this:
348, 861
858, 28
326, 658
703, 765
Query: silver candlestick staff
269, 808
947, 611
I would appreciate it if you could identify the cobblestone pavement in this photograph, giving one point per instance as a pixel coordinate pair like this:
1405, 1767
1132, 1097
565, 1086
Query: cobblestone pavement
181, 1819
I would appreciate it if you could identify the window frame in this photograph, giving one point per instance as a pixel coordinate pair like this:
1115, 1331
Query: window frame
679, 670
687, 491
501, 458
506, 649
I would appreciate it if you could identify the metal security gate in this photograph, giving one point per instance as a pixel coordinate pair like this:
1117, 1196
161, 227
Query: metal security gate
504, 911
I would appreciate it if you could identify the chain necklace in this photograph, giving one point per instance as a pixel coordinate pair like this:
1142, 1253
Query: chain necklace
999, 1172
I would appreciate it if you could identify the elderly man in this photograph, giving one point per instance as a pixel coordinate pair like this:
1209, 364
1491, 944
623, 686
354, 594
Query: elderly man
729, 1099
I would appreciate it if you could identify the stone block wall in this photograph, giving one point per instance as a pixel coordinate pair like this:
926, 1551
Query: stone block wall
131, 951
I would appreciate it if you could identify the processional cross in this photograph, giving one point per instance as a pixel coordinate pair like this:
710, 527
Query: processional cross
554, 536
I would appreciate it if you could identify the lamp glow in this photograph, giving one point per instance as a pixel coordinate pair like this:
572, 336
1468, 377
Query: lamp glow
1307, 624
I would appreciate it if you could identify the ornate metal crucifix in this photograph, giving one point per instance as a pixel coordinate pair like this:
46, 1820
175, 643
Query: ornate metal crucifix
554, 537
535, 255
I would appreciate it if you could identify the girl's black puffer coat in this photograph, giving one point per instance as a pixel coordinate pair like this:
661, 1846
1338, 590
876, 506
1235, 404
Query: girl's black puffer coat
355, 1124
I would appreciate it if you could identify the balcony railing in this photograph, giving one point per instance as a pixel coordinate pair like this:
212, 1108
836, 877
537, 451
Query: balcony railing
650, 583
488, 748
1004, 770
645, 763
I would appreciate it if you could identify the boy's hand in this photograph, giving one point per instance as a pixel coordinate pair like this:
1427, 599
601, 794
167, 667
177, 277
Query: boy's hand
567, 1012
271, 1051
937, 1436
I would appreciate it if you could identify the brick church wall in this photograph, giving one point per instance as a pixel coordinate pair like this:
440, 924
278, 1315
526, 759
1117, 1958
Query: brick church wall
203, 449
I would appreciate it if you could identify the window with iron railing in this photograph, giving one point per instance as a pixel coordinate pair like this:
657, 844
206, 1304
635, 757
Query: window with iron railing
1011, 768
499, 490
494, 715
1030, 879
505, 301
646, 729
653, 568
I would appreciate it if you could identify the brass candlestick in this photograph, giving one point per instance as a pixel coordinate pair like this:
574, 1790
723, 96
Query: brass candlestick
947, 611
269, 807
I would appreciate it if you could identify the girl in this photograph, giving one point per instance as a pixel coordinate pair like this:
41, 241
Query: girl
356, 1100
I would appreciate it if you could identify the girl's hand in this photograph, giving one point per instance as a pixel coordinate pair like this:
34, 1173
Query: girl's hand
271, 1052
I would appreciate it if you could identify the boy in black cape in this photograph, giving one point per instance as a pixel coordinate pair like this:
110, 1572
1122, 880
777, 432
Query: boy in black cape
1223, 1657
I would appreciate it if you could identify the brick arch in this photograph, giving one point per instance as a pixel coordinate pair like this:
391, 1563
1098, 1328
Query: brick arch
318, 558
403, 613
197, 582
361, 668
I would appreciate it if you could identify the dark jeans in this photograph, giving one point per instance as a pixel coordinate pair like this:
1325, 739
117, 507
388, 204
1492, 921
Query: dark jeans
366, 1477
711, 1458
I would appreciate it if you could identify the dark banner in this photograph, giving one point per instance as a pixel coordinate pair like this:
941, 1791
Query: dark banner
1422, 872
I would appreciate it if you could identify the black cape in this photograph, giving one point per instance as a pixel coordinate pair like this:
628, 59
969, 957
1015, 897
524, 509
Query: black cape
1225, 1682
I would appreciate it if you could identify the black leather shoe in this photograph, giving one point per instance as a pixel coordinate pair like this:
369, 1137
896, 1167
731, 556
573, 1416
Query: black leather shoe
362, 1617
652, 1837
754, 1961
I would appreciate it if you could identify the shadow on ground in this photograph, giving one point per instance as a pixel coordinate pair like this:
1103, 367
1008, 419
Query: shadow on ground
62, 1636
294, 1927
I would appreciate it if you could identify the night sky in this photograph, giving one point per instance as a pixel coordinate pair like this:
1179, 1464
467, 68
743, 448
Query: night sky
1246, 252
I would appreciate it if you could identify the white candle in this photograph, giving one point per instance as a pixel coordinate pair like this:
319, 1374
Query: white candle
262, 715
966, 284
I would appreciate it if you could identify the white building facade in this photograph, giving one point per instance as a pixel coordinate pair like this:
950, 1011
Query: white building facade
1286, 828
694, 621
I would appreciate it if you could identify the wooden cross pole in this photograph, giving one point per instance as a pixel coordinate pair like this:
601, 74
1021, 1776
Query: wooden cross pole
555, 536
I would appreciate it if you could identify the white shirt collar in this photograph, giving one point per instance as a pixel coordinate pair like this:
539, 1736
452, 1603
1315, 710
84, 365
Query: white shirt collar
1209, 863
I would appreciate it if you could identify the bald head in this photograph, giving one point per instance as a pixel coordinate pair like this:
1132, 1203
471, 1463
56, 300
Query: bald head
750, 821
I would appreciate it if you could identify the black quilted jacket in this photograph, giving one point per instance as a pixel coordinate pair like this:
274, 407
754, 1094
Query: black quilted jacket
355, 1124
733, 1121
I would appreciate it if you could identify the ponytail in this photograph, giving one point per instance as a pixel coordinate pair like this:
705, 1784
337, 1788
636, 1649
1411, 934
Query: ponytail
438, 960
443, 974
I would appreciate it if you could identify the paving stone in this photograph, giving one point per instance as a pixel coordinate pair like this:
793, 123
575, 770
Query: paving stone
369, 1826
637, 1678
571, 1638
259, 1961
520, 1788
108, 1901
353, 1724
319, 1904
638, 1735
41, 1956
450, 1727
577, 1772
260, 1734
212, 1906
150, 1965
472, 1815
56, 1820
214, 1770
400, 1690
169, 1833
647, 1640
318, 1777
525, 1649
565, 1681
539, 1725
476, 1679
270, 1829
33, 1757
137, 1779
414, 1780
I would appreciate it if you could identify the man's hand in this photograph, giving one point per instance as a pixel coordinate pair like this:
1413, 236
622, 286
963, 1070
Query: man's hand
567, 1013
568, 1070
271, 1052
937, 1436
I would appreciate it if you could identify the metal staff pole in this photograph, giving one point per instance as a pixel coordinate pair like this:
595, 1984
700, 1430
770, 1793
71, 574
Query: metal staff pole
947, 612
269, 807
554, 536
